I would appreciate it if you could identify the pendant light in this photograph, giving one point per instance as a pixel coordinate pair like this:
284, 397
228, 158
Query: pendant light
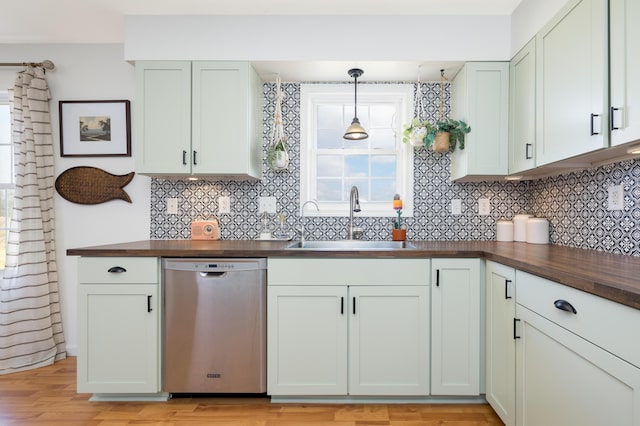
355, 131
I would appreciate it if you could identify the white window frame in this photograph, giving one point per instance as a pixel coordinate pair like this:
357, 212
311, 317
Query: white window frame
311, 95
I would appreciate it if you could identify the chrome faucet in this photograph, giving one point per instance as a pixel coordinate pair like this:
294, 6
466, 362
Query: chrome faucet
315, 203
354, 206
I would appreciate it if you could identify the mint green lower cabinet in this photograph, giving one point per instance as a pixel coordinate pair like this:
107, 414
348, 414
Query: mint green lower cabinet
455, 326
119, 326
578, 365
500, 344
363, 332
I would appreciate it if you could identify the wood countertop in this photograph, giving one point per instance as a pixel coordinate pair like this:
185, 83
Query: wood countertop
612, 276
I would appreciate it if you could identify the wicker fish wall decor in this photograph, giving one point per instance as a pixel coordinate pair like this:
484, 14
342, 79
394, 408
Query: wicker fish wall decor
91, 185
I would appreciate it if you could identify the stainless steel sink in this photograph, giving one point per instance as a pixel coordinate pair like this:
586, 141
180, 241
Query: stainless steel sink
351, 245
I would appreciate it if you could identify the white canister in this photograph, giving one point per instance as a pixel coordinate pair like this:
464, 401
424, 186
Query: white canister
520, 227
504, 230
538, 230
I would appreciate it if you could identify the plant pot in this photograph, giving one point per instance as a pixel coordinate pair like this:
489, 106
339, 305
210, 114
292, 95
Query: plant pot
441, 142
282, 160
416, 137
398, 234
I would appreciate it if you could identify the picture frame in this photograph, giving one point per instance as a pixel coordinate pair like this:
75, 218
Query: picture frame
95, 128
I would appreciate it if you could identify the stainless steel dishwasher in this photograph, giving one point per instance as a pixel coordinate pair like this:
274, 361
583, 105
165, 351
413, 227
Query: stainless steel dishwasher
214, 325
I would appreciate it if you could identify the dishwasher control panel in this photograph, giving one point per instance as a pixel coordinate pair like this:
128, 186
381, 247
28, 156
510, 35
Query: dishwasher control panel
215, 265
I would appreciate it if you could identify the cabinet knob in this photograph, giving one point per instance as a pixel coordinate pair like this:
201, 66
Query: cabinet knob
116, 269
563, 305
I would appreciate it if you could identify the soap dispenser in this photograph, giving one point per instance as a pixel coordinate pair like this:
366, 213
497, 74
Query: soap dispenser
265, 231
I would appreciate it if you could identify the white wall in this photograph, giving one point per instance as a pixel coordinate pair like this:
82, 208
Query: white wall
528, 18
86, 72
318, 38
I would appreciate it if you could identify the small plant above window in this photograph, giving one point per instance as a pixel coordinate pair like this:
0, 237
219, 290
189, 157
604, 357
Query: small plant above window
444, 136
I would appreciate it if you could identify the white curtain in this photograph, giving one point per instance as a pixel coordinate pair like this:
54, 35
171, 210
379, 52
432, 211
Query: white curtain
30, 322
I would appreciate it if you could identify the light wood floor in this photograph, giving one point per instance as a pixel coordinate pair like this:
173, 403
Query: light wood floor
47, 396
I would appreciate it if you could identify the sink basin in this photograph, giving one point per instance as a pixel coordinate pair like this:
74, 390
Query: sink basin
351, 245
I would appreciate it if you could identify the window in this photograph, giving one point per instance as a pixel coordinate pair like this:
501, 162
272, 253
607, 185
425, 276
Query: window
380, 166
6, 174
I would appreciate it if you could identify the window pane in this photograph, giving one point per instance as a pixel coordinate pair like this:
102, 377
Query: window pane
383, 166
363, 188
363, 114
6, 203
329, 116
356, 165
5, 125
330, 138
3, 248
5, 164
381, 115
329, 166
329, 190
382, 139
383, 189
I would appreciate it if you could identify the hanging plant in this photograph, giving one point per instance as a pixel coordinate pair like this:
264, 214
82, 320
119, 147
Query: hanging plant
277, 154
415, 132
443, 136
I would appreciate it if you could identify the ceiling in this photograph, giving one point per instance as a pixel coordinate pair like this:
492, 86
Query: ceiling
102, 21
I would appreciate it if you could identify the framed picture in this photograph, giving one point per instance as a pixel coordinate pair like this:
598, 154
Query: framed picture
95, 128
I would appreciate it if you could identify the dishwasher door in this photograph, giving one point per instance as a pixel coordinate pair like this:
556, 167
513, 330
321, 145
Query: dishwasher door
214, 325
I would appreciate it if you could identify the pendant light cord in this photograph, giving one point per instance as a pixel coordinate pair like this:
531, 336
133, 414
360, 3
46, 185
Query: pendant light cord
355, 96
441, 109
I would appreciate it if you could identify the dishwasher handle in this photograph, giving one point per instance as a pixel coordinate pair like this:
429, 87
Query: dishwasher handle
216, 274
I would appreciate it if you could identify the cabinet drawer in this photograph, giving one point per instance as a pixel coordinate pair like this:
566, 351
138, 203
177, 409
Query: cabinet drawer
93, 270
607, 324
323, 271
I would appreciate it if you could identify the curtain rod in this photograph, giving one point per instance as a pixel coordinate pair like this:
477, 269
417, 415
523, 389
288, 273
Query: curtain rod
46, 64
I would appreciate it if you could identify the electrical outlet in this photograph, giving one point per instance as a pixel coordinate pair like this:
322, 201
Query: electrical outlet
267, 204
615, 200
484, 206
224, 205
456, 206
172, 206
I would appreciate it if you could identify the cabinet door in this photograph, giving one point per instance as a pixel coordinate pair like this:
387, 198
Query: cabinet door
389, 340
455, 327
118, 350
224, 139
500, 344
307, 340
163, 117
522, 109
625, 68
572, 94
563, 379
480, 97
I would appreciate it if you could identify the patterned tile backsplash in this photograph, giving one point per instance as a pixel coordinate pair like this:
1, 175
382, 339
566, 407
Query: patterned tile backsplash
575, 203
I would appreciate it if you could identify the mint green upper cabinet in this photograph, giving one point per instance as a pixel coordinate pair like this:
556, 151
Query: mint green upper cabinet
522, 109
572, 90
198, 118
162, 120
625, 69
480, 97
